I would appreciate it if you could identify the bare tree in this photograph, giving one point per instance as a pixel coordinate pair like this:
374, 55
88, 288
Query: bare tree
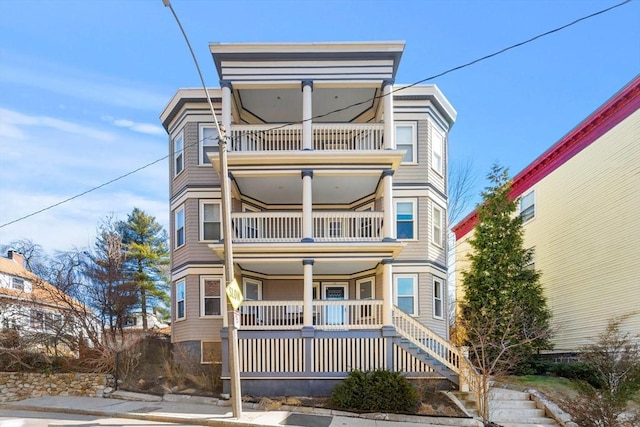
35, 258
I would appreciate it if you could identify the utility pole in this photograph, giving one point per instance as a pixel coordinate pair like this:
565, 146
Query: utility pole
231, 286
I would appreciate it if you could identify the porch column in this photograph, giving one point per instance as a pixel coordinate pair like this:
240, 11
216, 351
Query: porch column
388, 223
387, 292
307, 266
307, 206
307, 114
389, 131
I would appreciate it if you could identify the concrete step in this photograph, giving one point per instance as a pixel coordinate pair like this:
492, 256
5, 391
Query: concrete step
503, 394
498, 413
513, 404
549, 423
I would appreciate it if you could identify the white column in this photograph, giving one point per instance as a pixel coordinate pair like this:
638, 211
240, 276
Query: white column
307, 206
389, 130
307, 265
389, 224
387, 292
226, 106
307, 114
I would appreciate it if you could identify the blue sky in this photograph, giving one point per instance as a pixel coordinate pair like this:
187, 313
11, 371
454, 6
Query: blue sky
82, 84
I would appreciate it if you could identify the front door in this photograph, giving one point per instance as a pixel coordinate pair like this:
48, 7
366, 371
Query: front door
335, 314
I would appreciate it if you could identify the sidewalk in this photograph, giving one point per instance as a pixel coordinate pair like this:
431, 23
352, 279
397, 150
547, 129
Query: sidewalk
211, 412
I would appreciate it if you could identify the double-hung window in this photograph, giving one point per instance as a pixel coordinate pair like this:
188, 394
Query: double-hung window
406, 141
178, 154
210, 289
405, 220
436, 232
179, 227
437, 150
17, 283
208, 143
405, 292
528, 206
437, 298
180, 300
210, 221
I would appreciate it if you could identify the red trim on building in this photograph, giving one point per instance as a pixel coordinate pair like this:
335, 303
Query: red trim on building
612, 112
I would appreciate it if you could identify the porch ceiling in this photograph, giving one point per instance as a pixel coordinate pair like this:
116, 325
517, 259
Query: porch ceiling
320, 267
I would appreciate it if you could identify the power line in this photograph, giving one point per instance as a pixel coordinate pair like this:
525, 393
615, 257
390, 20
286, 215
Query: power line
450, 70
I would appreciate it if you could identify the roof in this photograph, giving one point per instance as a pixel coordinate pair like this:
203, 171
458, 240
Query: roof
615, 110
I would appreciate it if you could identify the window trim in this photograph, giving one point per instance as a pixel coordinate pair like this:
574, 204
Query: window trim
201, 143
414, 140
178, 155
181, 283
440, 282
203, 297
244, 288
177, 229
434, 226
414, 277
414, 204
532, 206
201, 221
440, 145
21, 281
371, 279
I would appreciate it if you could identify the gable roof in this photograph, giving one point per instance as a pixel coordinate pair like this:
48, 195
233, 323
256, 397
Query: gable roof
612, 112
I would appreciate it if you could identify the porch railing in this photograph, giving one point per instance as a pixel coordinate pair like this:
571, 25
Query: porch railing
332, 137
326, 314
287, 226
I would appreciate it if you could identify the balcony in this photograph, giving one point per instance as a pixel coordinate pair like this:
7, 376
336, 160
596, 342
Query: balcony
325, 137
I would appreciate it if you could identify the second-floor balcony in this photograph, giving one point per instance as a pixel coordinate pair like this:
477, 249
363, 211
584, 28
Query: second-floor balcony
283, 226
325, 137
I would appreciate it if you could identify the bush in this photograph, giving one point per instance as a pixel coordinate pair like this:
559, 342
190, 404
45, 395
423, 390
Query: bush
579, 371
377, 390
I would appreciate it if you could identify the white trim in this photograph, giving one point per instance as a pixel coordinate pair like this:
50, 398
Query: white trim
175, 155
201, 142
414, 204
414, 140
202, 204
246, 280
414, 277
371, 279
441, 299
533, 205
203, 279
437, 149
434, 232
184, 299
176, 214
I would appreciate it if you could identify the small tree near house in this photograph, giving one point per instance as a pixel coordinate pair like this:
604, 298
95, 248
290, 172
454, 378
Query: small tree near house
503, 314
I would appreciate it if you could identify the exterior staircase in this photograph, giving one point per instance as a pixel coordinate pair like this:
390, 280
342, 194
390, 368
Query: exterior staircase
509, 408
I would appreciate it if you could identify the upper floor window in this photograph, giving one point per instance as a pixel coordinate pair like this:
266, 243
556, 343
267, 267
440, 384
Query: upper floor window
528, 206
405, 292
406, 140
437, 298
208, 143
36, 319
17, 283
179, 226
437, 150
180, 300
210, 223
178, 154
436, 235
210, 289
405, 220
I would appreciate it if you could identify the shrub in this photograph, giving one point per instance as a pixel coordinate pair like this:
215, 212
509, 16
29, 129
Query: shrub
579, 371
377, 390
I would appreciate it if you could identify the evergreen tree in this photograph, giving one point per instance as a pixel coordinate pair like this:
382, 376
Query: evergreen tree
500, 287
147, 257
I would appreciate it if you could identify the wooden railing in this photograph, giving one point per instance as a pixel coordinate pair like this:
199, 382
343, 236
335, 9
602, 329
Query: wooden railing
287, 226
334, 136
326, 314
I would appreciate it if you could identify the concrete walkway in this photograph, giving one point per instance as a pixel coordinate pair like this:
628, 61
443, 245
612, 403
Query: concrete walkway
210, 412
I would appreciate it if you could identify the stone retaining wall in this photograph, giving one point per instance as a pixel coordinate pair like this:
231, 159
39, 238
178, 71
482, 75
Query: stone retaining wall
21, 385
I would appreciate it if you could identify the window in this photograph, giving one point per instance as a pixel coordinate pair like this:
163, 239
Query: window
436, 235
211, 291
528, 206
179, 224
437, 298
365, 290
17, 283
405, 296
180, 300
252, 290
437, 142
36, 319
210, 226
130, 321
211, 352
405, 220
208, 143
178, 154
406, 141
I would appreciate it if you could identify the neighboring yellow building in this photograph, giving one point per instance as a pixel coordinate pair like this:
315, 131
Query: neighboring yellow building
580, 202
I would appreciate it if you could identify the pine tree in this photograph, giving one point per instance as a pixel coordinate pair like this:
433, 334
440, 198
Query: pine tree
147, 257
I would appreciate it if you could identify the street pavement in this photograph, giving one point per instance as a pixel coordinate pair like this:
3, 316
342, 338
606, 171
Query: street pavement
189, 410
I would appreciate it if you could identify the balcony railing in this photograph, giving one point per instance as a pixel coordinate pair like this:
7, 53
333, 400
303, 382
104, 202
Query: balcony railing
281, 226
326, 314
331, 137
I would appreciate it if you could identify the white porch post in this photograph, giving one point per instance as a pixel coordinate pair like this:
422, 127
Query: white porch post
389, 130
387, 292
307, 114
226, 124
307, 265
389, 229
307, 206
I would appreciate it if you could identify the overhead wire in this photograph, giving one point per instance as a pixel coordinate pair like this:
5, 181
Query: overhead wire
404, 87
